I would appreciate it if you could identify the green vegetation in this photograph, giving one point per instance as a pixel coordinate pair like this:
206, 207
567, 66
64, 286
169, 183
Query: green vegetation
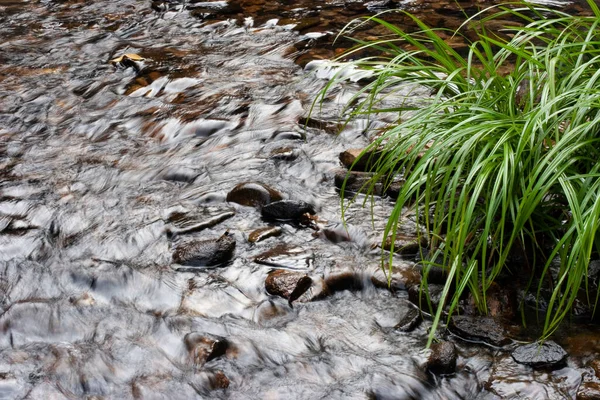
503, 156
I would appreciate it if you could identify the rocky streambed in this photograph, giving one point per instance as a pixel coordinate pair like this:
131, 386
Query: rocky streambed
170, 222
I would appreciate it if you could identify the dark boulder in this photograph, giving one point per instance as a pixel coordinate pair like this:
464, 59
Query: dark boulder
205, 253
287, 210
540, 355
481, 329
442, 359
253, 194
286, 256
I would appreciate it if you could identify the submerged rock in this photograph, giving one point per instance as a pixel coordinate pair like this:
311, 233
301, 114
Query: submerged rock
287, 210
403, 317
284, 153
285, 256
540, 355
205, 253
442, 359
483, 329
203, 348
264, 233
253, 194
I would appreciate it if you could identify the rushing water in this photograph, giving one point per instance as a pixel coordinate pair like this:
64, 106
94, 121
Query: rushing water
96, 159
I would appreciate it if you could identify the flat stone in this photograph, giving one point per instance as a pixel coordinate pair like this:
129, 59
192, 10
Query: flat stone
205, 253
284, 256
253, 194
540, 355
481, 329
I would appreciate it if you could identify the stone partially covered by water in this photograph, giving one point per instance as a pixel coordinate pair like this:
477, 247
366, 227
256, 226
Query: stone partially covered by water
253, 194
540, 355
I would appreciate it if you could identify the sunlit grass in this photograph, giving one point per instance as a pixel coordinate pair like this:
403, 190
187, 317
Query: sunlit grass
504, 154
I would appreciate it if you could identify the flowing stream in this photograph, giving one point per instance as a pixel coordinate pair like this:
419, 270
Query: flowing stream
104, 167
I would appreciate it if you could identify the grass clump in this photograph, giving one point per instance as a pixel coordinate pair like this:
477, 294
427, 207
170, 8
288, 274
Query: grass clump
503, 156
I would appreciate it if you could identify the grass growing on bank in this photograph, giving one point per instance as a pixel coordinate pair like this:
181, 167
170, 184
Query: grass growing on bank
496, 161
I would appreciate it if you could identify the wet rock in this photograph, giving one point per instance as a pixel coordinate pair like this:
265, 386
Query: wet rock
588, 391
284, 256
481, 329
203, 348
401, 278
253, 194
357, 182
406, 245
540, 355
356, 160
294, 286
442, 359
264, 233
287, 210
205, 253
